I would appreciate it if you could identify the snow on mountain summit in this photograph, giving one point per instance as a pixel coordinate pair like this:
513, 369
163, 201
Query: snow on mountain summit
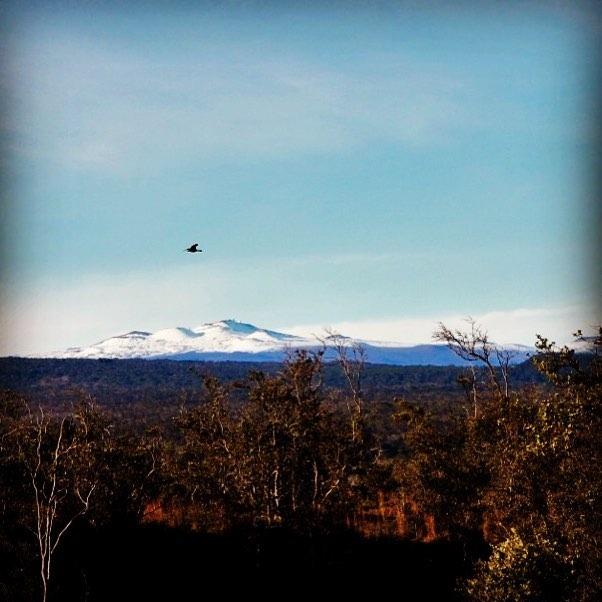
174, 334
232, 327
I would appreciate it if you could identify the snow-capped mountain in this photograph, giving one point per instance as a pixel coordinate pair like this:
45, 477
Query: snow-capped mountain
225, 336
237, 341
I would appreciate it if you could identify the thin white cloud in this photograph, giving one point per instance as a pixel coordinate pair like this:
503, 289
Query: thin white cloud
83, 105
517, 326
351, 259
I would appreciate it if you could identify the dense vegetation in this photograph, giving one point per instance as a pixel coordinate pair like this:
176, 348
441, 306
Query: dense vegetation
171, 383
347, 472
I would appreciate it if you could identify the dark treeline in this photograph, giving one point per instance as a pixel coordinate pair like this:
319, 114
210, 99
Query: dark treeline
112, 382
294, 470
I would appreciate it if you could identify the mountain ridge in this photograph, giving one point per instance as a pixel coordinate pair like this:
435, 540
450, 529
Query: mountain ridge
231, 340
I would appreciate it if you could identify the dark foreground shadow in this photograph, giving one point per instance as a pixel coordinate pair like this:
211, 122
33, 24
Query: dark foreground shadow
160, 563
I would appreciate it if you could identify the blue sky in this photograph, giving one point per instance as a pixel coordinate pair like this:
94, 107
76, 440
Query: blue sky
377, 167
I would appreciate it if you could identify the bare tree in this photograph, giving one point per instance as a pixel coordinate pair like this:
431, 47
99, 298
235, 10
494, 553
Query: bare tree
351, 357
57, 455
475, 347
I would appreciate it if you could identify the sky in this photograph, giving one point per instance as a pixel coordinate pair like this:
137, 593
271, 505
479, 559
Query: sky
372, 167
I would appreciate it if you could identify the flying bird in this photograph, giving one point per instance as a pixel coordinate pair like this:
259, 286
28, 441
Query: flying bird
194, 248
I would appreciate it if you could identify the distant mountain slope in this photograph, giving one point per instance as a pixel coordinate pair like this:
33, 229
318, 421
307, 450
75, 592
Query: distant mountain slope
230, 340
